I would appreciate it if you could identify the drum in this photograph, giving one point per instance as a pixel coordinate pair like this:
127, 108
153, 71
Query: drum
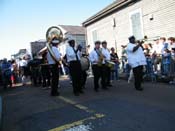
111, 65
84, 63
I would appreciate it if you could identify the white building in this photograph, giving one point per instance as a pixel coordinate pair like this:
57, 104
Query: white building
123, 18
76, 32
36, 46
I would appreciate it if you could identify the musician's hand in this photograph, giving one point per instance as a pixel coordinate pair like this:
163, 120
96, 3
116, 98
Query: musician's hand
79, 47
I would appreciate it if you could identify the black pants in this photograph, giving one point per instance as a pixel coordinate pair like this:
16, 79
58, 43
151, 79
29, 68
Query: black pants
76, 74
84, 78
55, 79
106, 73
35, 76
138, 76
97, 72
7, 81
45, 71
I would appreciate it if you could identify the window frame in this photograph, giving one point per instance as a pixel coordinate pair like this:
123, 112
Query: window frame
141, 22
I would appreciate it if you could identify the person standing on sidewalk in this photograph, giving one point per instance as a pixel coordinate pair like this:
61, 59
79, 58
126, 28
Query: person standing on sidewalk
23, 70
136, 60
6, 73
115, 59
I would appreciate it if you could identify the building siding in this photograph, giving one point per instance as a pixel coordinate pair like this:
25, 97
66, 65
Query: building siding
163, 23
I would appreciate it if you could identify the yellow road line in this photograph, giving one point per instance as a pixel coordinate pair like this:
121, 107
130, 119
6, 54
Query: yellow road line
79, 106
67, 100
84, 108
17, 93
77, 123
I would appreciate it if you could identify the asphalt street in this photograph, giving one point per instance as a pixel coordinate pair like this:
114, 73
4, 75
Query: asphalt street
121, 108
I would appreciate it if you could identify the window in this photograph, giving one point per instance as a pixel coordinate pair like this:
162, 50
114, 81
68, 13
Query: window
94, 36
136, 24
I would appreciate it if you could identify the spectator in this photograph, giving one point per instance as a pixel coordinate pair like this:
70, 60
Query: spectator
171, 41
23, 69
166, 59
15, 72
163, 44
172, 66
6, 73
115, 59
156, 55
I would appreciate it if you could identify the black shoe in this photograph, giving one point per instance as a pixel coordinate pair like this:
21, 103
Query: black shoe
96, 90
76, 94
139, 89
44, 85
55, 94
109, 85
105, 88
82, 92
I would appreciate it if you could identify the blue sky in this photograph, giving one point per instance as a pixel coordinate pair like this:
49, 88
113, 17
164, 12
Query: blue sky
24, 21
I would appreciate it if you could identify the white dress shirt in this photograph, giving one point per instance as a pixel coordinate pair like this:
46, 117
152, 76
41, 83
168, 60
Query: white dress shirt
70, 54
93, 57
107, 55
56, 54
136, 58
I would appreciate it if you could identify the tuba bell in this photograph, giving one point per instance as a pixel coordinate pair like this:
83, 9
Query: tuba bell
53, 32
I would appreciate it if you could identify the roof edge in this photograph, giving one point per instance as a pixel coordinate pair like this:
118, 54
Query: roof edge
107, 10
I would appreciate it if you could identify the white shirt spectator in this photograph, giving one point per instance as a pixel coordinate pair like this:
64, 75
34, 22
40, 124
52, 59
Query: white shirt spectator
136, 58
56, 54
93, 57
173, 45
23, 63
71, 55
157, 48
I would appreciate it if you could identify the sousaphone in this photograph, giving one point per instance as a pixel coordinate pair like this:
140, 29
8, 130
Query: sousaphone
51, 33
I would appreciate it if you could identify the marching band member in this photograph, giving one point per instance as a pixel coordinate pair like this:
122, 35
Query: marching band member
73, 58
136, 60
84, 73
96, 58
54, 66
106, 69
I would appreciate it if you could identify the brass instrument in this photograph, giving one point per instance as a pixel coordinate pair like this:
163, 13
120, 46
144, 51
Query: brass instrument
100, 58
111, 65
51, 33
